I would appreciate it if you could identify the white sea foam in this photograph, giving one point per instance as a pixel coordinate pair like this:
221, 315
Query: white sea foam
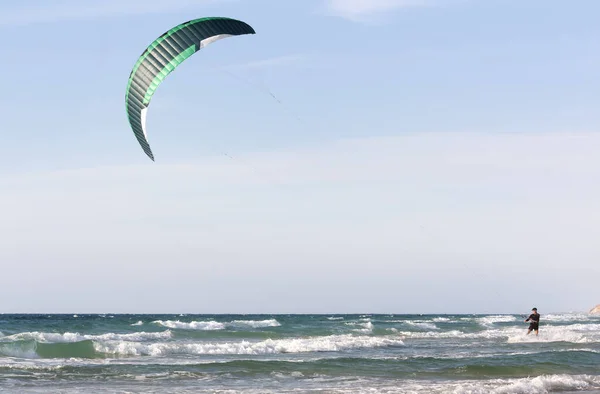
215, 326
194, 325
567, 317
139, 323
333, 343
365, 324
537, 385
367, 327
489, 321
422, 325
318, 383
32, 365
255, 323
576, 333
46, 337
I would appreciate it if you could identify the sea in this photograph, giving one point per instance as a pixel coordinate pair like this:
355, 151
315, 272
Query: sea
333, 353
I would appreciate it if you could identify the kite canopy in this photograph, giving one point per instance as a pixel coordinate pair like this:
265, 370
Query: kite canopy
164, 55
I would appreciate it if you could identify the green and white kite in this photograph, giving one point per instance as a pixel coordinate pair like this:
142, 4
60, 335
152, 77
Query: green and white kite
164, 55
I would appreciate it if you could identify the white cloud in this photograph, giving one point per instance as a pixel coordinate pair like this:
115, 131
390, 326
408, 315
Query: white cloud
91, 9
435, 180
379, 213
361, 10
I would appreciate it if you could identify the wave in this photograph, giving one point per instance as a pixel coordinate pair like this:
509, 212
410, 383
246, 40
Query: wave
255, 323
297, 382
332, 343
365, 324
567, 317
422, 325
336, 373
50, 337
536, 385
489, 321
417, 324
572, 333
194, 325
52, 345
576, 333
214, 325
64, 350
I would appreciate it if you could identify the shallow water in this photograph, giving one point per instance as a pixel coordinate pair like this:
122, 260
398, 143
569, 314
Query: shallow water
298, 353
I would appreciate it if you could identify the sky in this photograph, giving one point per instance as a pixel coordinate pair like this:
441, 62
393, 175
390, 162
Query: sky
417, 156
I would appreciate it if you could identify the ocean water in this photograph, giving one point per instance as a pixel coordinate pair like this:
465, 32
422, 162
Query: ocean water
298, 353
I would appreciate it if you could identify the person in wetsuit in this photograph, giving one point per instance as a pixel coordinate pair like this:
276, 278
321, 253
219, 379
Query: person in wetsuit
534, 318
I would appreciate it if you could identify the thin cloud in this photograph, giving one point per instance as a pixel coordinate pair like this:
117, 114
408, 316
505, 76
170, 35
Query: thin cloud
451, 200
365, 10
285, 60
92, 9
441, 158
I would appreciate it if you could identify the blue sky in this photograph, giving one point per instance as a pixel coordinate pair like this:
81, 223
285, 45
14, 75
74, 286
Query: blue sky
428, 157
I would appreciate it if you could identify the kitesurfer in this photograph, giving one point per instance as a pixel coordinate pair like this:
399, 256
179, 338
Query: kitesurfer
534, 318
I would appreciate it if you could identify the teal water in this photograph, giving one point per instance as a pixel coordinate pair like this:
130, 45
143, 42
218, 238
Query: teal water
298, 353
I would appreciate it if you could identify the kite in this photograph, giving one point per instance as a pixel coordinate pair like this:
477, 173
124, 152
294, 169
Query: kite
163, 56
